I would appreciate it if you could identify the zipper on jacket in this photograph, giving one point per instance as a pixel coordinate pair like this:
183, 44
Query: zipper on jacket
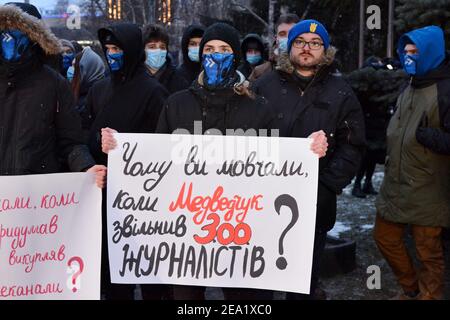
309, 85
349, 130
312, 81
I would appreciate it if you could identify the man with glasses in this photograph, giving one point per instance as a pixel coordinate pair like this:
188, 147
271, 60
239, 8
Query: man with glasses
308, 96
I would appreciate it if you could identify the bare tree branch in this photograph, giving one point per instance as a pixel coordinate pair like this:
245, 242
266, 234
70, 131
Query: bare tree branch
308, 7
102, 10
249, 10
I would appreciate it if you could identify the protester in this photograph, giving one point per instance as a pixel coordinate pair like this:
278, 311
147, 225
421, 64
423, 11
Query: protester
190, 44
68, 55
88, 68
253, 52
284, 23
40, 131
309, 97
220, 99
416, 185
158, 61
130, 100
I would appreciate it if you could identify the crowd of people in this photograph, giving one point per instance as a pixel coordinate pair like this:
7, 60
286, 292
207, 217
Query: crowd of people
57, 119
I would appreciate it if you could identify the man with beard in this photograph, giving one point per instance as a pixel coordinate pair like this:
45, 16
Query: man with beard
309, 97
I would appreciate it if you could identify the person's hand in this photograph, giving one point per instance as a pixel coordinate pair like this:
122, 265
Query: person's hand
100, 175
319, 145
108, 141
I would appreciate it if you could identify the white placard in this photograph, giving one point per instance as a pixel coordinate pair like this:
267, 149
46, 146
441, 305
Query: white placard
221, 211
50, 237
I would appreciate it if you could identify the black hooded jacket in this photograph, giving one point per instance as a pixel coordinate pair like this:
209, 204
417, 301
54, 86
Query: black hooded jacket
189, 70
40, 132
130, 100
246, 68
169, 78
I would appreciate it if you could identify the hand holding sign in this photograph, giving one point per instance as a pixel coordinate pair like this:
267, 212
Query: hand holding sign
319, 145
108, 141
100, 175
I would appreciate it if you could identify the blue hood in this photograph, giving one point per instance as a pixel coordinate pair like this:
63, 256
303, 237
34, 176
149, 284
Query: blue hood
431, 44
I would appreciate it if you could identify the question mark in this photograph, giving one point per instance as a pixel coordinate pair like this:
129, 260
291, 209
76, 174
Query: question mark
291, 203
76, 274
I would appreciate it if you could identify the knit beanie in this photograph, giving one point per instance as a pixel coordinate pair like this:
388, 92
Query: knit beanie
226, 33
308, 26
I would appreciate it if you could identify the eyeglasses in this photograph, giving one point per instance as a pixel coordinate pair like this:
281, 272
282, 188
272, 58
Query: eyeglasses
313, 45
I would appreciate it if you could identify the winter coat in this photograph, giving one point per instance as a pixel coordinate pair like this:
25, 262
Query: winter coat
246, 68
189, 70
261, 70
219, 109
92, 69
328, 104
40, 132
130, 100
416, 185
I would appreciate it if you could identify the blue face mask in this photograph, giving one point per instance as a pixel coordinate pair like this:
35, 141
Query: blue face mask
156, 58
194, 54
253, 58
283, 45
410, 63
115, 61
67, 59
70, 73
14, 44
218, 67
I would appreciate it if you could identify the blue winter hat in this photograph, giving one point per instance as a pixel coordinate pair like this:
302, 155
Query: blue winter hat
308, 26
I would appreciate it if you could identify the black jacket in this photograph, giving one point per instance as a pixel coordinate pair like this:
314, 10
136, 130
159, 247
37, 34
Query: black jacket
40, 132
246, 68
219, 109
327, 104
189, 70
127, 101
91, 70
169, 78
437, 139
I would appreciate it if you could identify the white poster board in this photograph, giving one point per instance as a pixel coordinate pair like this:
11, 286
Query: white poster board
50, 237
222, 211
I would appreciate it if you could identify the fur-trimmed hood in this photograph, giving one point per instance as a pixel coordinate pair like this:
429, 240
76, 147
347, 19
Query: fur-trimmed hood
284, 63
12, 17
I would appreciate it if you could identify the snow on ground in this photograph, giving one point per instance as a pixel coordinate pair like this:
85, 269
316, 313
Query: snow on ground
339, 228
355, 221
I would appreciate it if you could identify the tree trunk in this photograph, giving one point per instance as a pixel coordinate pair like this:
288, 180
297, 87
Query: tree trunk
271, 26
361, 32
308, 7
390, 35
